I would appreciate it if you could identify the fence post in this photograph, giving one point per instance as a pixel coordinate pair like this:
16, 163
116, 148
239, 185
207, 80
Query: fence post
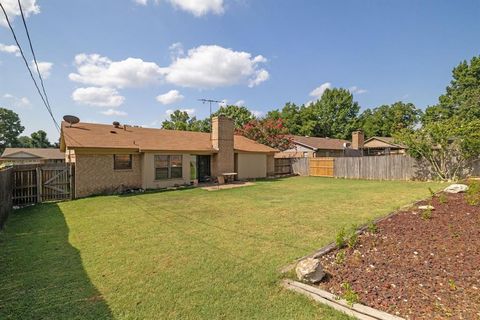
39, 184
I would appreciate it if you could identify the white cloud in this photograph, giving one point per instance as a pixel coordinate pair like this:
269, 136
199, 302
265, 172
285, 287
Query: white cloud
318, 92
214, 66
93, 69
44, 67
13, 49
356, 90
29, 7
100, 97
223, 103
190, 112
176, 50
20, 102
196, 7
257, 113
199, 7
113, 112
240, 103
170, 97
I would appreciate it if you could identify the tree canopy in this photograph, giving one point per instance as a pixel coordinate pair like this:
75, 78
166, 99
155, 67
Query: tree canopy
385, 120
462, 96
37, 139
270, 132
10, 128
240, 114
181, 120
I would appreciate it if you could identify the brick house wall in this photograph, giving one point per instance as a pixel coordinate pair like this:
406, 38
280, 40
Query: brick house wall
94, 174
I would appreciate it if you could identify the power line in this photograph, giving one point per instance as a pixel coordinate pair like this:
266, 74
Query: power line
35, 61
28, 68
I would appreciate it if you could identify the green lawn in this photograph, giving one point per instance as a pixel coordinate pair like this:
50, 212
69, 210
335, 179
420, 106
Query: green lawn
183, 254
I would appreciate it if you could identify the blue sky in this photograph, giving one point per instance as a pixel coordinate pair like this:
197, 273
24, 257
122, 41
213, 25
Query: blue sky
134, 60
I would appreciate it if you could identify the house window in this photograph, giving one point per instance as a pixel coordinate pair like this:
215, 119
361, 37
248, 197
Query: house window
122, 161
168, 167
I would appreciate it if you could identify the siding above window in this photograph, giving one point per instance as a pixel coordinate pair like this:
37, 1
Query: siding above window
122, 161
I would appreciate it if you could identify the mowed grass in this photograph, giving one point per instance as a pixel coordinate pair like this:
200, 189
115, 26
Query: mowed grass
189, 254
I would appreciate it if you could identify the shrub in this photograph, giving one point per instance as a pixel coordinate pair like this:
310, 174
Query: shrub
340, 257
442, 198
473, 194
427, 214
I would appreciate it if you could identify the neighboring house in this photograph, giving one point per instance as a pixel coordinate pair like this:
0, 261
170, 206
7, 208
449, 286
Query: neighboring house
313, 147
32, 156
376, 146
109, 158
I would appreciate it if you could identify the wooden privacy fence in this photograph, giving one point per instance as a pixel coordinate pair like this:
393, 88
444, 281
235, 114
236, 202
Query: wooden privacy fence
40, 183
283, 166
392, 167
322, 167
6, 204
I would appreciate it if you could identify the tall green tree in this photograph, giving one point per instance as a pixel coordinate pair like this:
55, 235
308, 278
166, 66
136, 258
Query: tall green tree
462, 96
10, 128
40, 140
334, 114
295, 119
181, 120
385, 120
240, 114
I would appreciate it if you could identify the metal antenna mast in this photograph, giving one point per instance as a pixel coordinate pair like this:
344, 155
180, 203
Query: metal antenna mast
210, 101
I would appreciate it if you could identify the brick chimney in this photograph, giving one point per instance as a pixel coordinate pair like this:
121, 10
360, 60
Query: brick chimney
222, 140
358, 139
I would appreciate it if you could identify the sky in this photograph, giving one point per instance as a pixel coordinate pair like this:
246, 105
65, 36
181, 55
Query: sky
135, 61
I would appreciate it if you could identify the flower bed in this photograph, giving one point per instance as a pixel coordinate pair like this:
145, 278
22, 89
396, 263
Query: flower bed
418, 264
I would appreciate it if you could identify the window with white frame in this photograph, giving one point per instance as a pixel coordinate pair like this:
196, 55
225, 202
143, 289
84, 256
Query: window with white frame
168, 167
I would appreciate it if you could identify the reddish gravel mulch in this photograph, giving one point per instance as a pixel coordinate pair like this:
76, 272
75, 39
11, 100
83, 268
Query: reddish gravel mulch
416, 268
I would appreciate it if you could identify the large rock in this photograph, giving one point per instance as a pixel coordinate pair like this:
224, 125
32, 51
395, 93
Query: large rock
456, 188
426, 207
310, 270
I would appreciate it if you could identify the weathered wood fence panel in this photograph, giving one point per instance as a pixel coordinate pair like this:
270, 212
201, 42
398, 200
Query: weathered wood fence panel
301, 166
393, 167
6, 177
40, 183
322, 167
283, 166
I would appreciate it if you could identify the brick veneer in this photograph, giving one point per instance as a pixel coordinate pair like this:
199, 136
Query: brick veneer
94, 174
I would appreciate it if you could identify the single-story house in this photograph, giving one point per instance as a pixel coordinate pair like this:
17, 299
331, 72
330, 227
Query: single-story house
377, 146
32, 156
109, 158
313, 147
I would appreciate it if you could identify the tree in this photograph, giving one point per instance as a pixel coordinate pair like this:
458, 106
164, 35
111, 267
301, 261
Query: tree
240, 115
296, 119
334, 114
10, 128
385, 120
449, 146
269, 132
40, 140
181, 120
24, 142
462, 96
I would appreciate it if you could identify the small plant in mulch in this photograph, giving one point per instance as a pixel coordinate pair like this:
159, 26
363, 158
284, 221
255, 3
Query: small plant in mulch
347, 238
349, 294
340, 238
452, 285
432, 193
371, 226
442, 198
473, 194
426, 214
340, 257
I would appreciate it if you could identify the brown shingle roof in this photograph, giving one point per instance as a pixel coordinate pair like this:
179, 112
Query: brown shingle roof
320, 143
44, 153
387, 140
91, 135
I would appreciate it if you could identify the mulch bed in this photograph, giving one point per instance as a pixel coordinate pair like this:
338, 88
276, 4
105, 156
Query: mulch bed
414, 267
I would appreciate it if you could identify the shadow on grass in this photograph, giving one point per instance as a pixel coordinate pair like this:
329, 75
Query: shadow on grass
41, 274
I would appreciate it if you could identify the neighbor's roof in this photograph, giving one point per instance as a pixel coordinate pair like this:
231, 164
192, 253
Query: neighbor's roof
91, 135
320, 143
388, 141
43, 153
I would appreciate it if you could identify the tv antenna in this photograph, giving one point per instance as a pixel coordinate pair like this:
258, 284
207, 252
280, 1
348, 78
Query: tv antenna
210, 101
